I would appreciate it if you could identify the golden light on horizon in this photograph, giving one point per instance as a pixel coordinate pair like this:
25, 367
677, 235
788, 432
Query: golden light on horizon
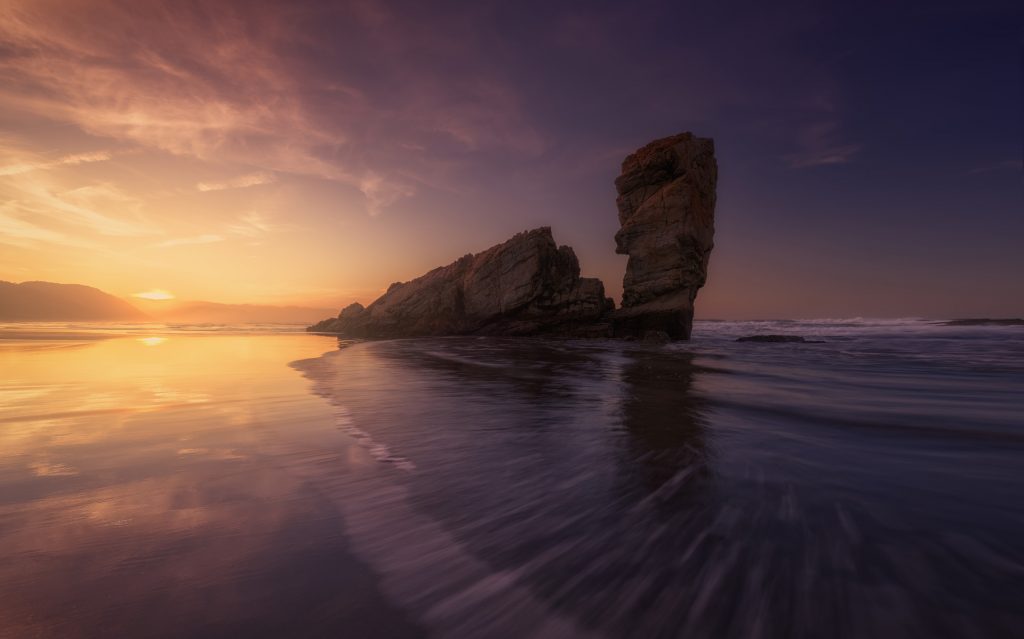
155, 294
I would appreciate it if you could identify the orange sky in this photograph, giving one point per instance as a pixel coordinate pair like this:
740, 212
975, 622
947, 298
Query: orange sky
179, 148
173, 151
313, 153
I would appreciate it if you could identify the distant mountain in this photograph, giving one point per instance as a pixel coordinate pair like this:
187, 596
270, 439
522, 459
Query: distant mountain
49, 302
215, 313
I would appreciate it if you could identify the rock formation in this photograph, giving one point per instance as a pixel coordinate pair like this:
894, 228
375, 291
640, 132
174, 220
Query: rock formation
531, 286
666, 209
525, 286
984, 321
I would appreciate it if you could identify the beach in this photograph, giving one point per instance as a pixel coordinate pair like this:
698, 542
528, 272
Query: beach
205, 481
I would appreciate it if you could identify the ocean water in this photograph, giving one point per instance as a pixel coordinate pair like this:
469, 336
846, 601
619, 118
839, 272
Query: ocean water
258, 481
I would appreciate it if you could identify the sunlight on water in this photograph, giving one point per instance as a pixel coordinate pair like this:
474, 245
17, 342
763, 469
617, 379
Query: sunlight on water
139, 491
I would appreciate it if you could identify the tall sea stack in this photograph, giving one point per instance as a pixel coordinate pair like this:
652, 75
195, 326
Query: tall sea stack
666, 208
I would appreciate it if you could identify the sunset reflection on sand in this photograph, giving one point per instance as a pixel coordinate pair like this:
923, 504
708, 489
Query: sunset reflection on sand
138, 493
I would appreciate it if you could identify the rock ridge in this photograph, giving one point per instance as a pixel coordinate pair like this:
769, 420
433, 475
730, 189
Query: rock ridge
527, 285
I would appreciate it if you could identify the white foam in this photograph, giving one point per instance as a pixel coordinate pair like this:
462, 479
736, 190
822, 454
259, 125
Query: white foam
377, 450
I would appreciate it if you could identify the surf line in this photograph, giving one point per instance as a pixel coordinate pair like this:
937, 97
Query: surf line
377, 450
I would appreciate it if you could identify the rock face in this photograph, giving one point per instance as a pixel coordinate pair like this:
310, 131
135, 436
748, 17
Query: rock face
531, 286
666, 207
525, 286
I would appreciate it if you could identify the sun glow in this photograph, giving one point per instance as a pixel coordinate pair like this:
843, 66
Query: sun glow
155, 294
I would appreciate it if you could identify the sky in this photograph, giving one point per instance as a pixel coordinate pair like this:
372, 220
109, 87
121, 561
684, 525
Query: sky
314, 152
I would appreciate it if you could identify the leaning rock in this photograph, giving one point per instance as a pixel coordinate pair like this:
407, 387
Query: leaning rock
525, 286
666, 208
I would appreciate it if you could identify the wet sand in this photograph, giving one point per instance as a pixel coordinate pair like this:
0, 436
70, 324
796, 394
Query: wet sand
267, 485
858, 487
148, 488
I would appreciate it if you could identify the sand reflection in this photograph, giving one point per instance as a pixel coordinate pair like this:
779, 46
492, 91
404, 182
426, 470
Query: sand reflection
139, 496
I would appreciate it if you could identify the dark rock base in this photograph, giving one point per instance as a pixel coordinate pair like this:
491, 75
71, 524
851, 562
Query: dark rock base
676, 324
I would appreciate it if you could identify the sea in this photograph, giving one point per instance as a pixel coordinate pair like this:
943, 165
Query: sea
261, 481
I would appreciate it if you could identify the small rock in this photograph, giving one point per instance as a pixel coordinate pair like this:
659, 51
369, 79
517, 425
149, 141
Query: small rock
778, 339
657, 337
985, 321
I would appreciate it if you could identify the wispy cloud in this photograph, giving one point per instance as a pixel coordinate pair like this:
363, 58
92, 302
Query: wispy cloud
62, 213
51, 469
821, 144
823, 157
241, 182
1006, 165
16, 231
27, 165
251, 226
381, 193
207, 238
220, 82
254, 224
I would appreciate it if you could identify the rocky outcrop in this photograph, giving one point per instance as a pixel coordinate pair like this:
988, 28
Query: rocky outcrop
666, 208
525, 286
985, 322
531, 286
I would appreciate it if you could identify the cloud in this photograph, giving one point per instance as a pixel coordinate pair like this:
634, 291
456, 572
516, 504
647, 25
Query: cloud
51, 469
821, 144
207, 238
823, 157
1006, 165
249, 226
235, 83
19, 232
67, 160
62, 215
380, 193
253, 225
240, 182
